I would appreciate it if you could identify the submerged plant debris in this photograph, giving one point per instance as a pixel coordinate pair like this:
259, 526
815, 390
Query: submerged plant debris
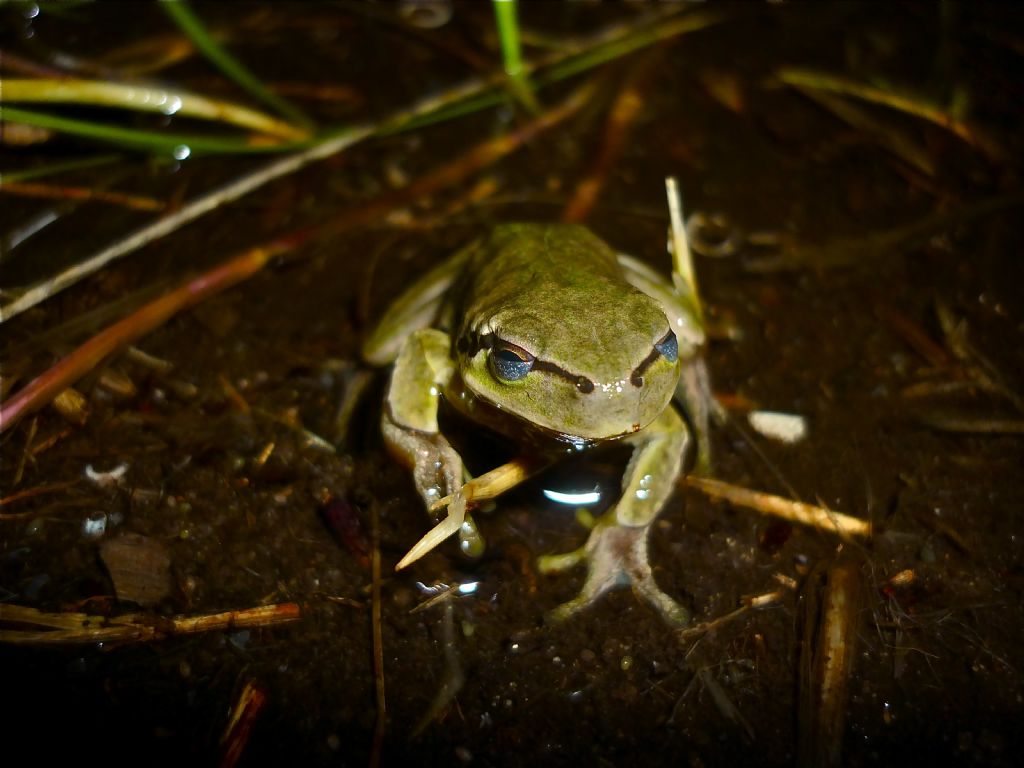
199, 525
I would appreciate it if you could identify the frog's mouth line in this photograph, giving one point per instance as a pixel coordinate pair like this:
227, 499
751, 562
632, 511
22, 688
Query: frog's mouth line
511, 424
582, 443
577, 442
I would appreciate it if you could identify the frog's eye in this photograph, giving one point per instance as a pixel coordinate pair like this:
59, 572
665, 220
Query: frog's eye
669, 347
509, 362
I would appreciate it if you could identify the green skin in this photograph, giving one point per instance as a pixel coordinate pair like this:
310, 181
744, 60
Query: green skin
593, 324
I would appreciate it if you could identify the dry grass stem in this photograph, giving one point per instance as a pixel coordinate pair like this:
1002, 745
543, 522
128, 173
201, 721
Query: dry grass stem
753, 602
121, 334
71, 628
491, 485
623, 116
380, 723
833, 598
824, 519
167, 224
806, 79
243, 716
29, 493
148, 99
896, 140
484, 488
85, 194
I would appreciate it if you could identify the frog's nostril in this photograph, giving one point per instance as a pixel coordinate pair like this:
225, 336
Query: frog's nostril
637, 380
584, 385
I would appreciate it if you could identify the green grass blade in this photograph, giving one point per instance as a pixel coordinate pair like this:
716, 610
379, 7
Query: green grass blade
190, 24
511, 51
633, 40
131, 138
30, 174
580, 57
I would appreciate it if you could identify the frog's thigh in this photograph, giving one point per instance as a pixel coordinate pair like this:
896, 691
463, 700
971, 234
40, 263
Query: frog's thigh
656, 464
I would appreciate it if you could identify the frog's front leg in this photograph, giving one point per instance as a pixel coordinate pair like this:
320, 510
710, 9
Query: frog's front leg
616, 552
409, 424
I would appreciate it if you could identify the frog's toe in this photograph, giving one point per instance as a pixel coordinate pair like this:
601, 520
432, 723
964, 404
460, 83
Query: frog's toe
559, 563
615, 555
471, 541
671, 611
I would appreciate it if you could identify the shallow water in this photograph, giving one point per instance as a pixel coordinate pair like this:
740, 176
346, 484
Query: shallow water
827, 322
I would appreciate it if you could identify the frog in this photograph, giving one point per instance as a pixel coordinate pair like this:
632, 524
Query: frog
544, 329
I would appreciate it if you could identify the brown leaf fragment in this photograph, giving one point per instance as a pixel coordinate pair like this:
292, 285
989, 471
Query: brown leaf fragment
139, 567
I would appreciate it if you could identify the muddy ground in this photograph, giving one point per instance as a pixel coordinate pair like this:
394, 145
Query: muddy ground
233, 455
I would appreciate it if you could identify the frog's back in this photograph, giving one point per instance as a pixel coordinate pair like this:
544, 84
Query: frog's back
543, 250
542, 266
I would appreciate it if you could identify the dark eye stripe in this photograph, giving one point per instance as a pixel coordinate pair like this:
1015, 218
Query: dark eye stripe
583, 384
668, 348
510, 362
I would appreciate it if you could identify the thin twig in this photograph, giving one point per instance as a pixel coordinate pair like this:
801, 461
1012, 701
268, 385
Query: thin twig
911, 105
844, 252
121, 334
378, 644
29, 493
753, 602
476, 158
969, 425
684, 276
898, 141
243, 715
69, 627
53, 192
793, 511
483, 488
163, 226
623, 116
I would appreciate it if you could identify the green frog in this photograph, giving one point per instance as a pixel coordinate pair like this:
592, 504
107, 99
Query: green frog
543, 328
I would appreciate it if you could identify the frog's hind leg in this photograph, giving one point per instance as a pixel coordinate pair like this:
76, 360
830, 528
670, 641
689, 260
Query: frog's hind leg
616, 556
616, 552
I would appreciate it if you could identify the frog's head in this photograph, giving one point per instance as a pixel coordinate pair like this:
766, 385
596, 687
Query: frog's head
581, 368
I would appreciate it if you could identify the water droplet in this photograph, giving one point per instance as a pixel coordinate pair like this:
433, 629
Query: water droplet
171, 107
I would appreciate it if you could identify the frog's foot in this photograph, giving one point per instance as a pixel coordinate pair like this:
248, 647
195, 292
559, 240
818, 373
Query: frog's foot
437, 473
615, 555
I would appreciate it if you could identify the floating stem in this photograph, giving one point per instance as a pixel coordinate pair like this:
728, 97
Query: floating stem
144, 98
